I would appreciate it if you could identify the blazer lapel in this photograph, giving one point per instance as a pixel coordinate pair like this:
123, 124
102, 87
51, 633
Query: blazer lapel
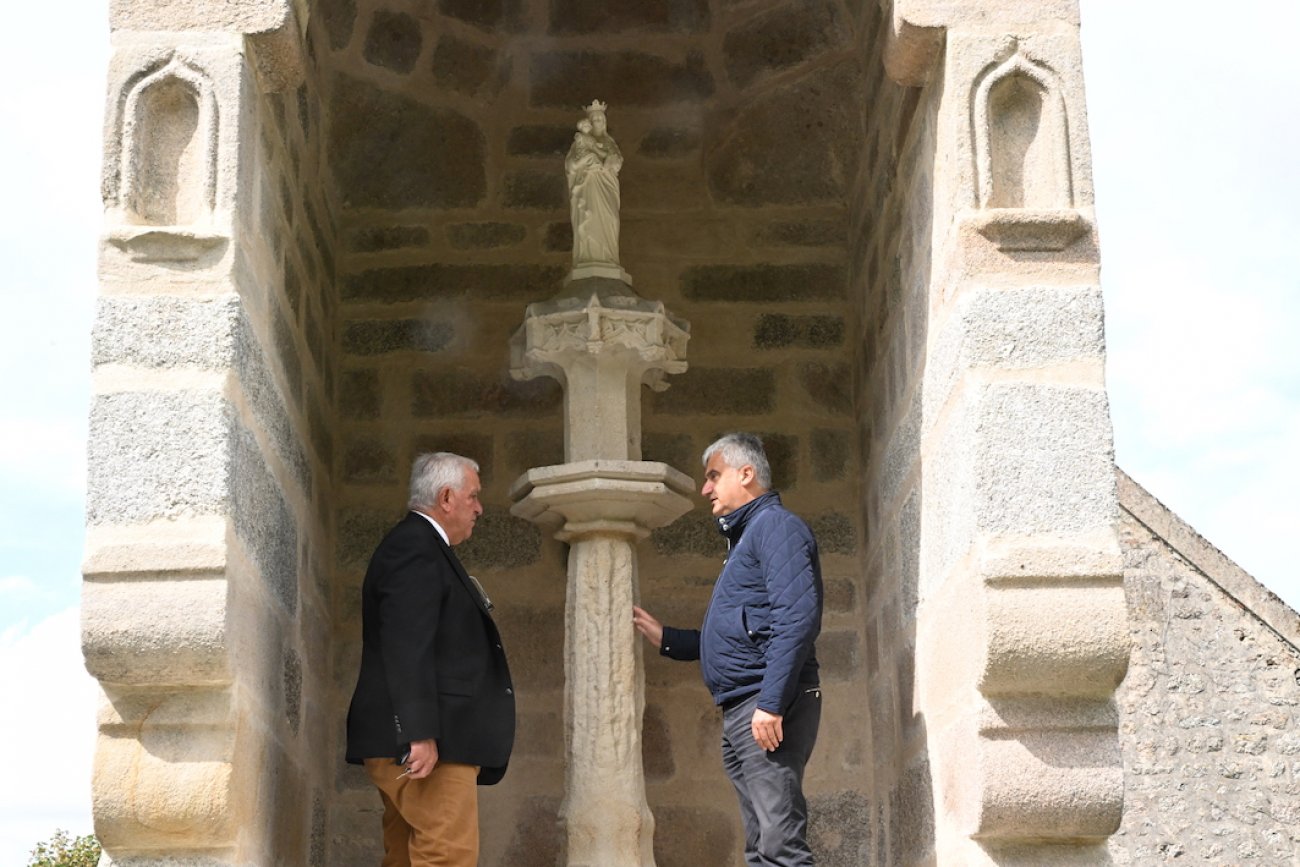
475, 589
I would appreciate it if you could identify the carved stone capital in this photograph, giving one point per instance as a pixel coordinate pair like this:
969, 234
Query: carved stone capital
628, 498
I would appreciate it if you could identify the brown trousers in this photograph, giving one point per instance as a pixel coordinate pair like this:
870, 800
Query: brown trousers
431, 822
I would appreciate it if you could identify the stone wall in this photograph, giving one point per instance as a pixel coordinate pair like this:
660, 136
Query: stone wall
1208, 713
741, 125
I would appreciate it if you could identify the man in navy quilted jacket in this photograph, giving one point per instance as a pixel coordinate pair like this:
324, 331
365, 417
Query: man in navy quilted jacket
755, 649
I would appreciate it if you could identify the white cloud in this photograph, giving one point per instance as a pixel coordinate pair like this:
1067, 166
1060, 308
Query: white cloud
16, 586
48, 721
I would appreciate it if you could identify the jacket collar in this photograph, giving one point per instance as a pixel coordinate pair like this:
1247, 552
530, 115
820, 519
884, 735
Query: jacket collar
733, 525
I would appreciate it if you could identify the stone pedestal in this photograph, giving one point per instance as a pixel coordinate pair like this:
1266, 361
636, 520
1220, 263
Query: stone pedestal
602, 341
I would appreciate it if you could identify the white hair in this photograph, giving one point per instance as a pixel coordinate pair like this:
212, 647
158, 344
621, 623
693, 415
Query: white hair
432, 472
742, 450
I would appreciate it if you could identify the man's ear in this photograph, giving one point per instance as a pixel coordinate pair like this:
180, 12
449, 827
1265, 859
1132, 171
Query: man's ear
444, 497
747, 475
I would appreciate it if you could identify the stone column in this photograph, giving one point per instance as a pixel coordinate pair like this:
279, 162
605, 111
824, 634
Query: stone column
601, 341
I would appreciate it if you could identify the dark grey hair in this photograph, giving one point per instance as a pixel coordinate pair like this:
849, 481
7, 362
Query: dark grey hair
432, 472
740, 450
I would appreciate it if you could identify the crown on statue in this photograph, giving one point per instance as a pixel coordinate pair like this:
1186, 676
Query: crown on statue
596, 105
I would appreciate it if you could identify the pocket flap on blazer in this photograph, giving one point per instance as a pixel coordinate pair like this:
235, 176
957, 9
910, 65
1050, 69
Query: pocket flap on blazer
455, 685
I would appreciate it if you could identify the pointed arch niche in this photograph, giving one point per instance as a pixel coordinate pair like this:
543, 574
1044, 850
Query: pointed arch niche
169, 147
167, 152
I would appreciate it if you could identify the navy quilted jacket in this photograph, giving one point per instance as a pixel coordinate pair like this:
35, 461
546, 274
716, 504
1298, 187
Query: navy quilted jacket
766, 611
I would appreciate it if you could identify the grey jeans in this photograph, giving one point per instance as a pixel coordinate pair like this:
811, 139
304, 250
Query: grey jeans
770, 785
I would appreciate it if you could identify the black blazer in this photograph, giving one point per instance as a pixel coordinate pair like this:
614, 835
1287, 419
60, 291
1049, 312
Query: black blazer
432, 665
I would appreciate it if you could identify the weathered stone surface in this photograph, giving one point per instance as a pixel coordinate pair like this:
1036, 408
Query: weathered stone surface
539, 141
487, 14
460, 393
839, 829
764, 283
656, 745
537, 734
783, 459
372, 239
405, 154
563, 78
778, 331
719, 391
781, 38
813, 233
262, 519
359, 532
291, 681
595, 16
534, 641
465, 67
693, 836
834, 532
393, 41
380, 336
157, 455
829, 385
536, 189
360, 394
536, 448
367, 460
538, 834
501, 541
797, 145
667, 142
675, 450
421, 282
830, 454
484, 236
839, 594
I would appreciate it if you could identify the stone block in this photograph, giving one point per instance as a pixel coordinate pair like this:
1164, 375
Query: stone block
782, 38
559, 238
501, 541
764, 284
484, 236
669, 142
372, 239
796, 145
157, 455
381, 336
629, 78
537, 734
466, 67
536, 189
156, 633
779, 331
829, 386
261, 518
536, 448
719, 391
165, 332
339, 16
462, 394
835, 533
839, 829
369, 460
485, 14
911, 813
675, 450
839, 594
810, 233
692, 534
830, 454
838, 655
537, 140
477, 447
692, 836
594, 16
393, 41
523, 283
360, 531
360, 395
406, 154
782, 458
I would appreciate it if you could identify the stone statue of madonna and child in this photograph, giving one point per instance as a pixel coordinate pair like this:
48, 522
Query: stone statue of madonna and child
592, 168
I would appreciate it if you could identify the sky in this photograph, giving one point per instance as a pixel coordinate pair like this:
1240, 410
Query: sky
1195, 126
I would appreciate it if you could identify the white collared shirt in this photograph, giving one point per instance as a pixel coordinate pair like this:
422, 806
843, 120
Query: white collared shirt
436, 526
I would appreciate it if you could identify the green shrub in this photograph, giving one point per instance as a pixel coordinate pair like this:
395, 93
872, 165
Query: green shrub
64, 850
